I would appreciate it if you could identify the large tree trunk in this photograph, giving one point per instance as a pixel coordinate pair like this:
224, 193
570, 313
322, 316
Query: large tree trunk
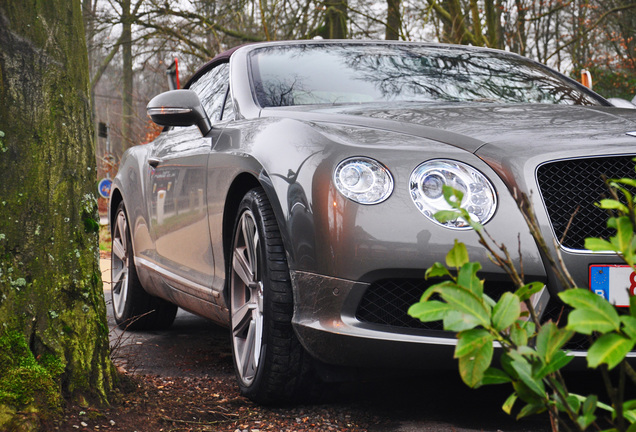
336, 19
53, 331
393, 20
127, 87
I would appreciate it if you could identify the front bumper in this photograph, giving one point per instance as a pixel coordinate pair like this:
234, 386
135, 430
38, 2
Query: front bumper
326, 324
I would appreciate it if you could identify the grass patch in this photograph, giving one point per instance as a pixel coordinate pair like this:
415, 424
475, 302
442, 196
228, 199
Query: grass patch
104, 239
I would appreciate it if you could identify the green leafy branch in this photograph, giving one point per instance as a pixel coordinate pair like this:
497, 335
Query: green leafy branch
532, 352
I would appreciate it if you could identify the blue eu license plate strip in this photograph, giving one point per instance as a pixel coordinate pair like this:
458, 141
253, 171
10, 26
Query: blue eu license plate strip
615, 283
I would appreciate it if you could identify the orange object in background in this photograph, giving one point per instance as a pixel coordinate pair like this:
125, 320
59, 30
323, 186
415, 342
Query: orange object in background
173, 75
586, 78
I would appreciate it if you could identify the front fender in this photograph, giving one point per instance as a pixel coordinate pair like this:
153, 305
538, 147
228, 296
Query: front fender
129, 186
328, 234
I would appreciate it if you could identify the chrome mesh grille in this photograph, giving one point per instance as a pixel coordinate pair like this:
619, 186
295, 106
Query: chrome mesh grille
570, 188
387, 301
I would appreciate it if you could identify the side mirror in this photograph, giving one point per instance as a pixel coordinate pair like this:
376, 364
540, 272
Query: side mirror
179, 108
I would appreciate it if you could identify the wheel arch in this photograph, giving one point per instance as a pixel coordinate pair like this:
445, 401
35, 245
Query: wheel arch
242, 184
116, 197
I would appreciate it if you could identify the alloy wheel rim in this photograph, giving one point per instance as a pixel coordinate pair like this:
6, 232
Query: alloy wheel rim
247, 299
119, 264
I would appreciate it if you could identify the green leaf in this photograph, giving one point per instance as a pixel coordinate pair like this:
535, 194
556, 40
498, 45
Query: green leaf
495, 376
444, 216
431, 310
585, 420
580, 298
467, 278
529, 327
509, 403
626, 193
524, 372
629, 414
472, 366
506, 311
592, 401
599, 245
610, 204
609, 349
589, 404
626, 181
632, 306
518, 334
624, 233
550, 339
472, 340
473, 223
465, 301
530, 409
453, 196
457, 256
437, 270
526, 291
527, 395
573, 403
559, 360
629, 324
433, 289
505, 361
457, 321
599, 309
587, 321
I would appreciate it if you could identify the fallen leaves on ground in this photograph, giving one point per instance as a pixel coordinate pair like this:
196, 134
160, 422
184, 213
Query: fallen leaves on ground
157, 404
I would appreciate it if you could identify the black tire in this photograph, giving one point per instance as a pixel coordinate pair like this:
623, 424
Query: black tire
271, 365
133, 307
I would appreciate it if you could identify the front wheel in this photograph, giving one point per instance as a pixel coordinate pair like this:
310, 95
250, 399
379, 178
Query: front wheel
271, 365
133, 307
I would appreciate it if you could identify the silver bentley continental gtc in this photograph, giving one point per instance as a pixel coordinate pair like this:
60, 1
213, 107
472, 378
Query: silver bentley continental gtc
290, 197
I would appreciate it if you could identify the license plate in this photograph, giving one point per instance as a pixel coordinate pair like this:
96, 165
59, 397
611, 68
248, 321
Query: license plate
615, 283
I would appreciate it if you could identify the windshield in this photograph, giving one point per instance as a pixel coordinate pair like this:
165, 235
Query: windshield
340, 74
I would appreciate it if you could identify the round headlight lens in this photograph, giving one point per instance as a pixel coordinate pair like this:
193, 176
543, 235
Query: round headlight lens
428, 179
363, 180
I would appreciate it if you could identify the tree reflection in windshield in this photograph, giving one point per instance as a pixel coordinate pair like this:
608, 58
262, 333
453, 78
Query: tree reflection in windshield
338, 74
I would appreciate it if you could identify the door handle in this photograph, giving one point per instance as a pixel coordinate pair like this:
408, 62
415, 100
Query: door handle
154, 162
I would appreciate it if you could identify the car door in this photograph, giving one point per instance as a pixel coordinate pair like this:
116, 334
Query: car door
178, 205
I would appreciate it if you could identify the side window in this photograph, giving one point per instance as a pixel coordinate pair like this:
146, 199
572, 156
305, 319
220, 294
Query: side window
212, 89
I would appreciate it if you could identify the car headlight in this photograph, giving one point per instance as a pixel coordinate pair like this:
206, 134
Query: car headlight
363, 180
426, 184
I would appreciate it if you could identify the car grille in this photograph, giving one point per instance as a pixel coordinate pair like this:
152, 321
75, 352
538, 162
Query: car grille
571, 187
387, 301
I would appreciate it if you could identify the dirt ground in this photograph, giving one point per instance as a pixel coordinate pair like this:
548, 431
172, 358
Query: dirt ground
182, 379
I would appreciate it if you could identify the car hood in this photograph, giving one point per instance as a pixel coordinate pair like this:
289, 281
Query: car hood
512, 139
486, 128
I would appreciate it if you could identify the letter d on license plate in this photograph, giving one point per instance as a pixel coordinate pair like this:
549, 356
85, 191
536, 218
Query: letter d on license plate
615, 283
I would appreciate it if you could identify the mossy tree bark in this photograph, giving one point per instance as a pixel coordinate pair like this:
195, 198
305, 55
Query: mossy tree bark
53, 331
336, 17
393, 20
